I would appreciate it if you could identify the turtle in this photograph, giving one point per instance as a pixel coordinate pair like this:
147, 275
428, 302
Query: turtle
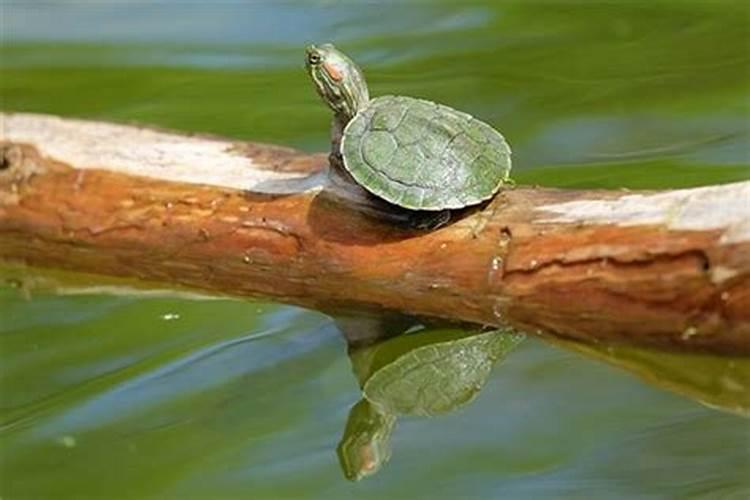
427, 372
414, 154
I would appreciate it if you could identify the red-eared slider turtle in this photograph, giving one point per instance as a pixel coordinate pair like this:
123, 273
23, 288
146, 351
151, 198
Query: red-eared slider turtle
426, 373
412, 153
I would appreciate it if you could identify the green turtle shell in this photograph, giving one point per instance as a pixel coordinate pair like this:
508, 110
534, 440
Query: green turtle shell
424, 156
438, 377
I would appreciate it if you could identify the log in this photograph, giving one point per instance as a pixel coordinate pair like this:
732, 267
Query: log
668, 269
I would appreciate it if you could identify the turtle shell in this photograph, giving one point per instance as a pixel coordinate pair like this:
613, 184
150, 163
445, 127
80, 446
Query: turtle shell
440, 376
424, 156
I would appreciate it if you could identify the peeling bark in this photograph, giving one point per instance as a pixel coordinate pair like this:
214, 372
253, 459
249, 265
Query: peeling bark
668, 269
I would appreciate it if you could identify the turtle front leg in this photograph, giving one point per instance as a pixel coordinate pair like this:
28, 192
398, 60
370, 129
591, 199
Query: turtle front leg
428, 221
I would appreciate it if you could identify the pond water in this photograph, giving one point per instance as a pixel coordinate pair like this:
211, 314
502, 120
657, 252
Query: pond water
167, 397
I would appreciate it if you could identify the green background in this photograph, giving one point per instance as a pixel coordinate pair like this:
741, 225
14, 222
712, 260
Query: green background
112, 397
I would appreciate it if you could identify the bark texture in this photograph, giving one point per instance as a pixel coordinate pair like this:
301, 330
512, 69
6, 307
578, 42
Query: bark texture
668, 269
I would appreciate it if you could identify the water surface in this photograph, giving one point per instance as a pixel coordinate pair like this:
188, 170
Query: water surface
132, 397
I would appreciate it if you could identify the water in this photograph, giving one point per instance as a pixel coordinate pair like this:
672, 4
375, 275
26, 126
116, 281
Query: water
133, 397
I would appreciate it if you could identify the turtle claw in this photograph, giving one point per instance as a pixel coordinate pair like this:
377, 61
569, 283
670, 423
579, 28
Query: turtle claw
428, 221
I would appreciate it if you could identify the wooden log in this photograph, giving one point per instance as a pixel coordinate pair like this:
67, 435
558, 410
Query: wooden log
668, 269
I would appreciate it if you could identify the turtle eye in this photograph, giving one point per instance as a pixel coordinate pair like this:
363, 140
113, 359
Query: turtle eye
313, 58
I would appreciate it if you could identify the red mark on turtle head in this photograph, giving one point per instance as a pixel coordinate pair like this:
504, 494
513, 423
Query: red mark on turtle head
333, 71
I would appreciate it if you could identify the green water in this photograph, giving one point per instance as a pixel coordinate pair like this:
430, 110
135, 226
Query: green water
113, 397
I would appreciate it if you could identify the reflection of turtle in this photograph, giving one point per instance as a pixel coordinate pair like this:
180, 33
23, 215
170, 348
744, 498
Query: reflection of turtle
423, 373
413, 153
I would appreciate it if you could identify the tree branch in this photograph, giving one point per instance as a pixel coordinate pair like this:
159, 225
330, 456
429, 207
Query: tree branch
668, 269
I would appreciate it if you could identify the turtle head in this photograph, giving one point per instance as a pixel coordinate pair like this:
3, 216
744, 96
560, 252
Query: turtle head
337, 79
366, 443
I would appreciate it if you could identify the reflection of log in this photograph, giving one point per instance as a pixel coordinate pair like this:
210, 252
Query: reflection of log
719, 382
669, 268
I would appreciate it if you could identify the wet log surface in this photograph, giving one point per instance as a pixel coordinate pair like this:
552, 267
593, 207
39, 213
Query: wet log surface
669, 269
